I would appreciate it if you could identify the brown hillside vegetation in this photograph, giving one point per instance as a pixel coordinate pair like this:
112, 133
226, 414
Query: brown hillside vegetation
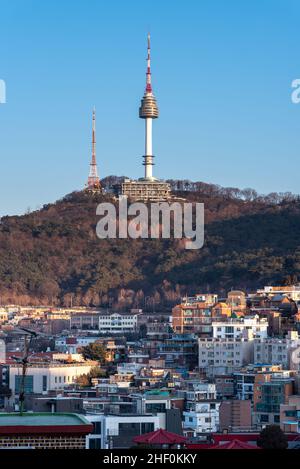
53, 256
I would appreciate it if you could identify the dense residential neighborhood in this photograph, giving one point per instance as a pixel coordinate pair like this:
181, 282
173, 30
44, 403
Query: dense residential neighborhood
211, 370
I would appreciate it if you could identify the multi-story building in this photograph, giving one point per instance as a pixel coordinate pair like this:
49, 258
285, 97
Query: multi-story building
44, 377
224, 354
273, 393
224, 386
201, 417
156, 401
179, 350
117, 431
192, 318
290, 291
195, 391
278, 351
236, 299
111, 323
235, 415
201, 413
208, 298
290, 415
247, 328
244, 384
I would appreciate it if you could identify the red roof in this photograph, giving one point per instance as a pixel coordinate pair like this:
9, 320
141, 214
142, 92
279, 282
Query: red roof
235, 444
34, 357
71, 340
160, 437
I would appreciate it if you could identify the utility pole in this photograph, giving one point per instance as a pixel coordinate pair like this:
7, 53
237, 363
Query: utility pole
28, 337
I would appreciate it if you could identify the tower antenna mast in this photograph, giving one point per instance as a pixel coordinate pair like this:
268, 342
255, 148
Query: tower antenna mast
93, 182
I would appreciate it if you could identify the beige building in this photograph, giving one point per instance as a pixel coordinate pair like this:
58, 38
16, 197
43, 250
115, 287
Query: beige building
235, 415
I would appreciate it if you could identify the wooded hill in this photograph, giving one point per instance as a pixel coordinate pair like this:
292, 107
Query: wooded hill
53, 256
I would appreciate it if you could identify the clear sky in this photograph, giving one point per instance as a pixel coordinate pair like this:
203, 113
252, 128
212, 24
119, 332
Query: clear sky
221, 71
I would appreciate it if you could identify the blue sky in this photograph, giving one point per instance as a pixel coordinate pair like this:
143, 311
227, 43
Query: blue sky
222, 74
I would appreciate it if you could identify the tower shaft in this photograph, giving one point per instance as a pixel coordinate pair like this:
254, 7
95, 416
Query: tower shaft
148, 158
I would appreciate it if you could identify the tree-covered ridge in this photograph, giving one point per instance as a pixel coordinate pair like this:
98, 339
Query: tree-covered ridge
52, 256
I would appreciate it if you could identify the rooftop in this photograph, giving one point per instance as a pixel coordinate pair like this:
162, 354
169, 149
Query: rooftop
31, 422
41, 419
160, 437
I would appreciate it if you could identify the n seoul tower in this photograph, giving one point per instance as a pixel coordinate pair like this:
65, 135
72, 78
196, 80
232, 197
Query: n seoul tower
147, 188
148, 111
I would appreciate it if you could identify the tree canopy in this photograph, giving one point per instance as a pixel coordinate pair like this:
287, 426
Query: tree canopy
272, 437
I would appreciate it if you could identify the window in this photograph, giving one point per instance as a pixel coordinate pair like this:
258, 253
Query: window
264, 418
28, 384
129, 428
97, 428
94, 443
147, 427
44, 383
156, 407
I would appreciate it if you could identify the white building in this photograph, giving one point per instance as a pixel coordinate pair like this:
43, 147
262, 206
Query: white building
198, 391
117, 322
71, 344
228, 353
290, 291
247, 328
203, 417
118, 431
278, 351
44, 377
111, 323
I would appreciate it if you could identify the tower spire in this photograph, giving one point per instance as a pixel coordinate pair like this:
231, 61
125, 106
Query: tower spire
93, 179
94, 137
148, 74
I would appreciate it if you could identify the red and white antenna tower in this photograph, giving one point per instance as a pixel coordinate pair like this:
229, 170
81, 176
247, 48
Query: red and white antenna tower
93, 179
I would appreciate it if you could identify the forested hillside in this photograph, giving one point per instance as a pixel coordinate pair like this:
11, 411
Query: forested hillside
53, 256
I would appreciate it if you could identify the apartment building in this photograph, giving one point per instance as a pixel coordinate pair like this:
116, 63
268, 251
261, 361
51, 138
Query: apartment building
235, 415
226, 353
273, 393
201, 417
278, 351
238, 328
193, 318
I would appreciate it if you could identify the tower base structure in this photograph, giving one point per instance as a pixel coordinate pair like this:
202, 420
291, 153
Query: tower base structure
145, 190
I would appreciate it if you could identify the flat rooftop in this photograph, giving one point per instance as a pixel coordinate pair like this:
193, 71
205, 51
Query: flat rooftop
32, 422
